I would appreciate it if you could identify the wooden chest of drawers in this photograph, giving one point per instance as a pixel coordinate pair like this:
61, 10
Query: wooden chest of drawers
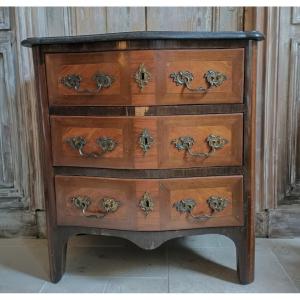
148, 136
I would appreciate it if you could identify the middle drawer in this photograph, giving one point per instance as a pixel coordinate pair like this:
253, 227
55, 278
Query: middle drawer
157, 142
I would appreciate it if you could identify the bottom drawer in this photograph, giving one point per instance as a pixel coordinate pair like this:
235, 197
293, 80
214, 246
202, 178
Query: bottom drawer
149, 204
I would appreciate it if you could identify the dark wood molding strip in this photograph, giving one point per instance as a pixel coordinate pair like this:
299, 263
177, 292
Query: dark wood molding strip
145, 35
153, 239
164, 110
147, 173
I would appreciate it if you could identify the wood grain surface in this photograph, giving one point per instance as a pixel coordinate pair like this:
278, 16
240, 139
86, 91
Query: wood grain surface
163, 154
164, 193
161, 90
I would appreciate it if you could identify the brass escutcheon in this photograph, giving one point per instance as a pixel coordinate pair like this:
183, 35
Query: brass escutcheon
142, 76
145, 140
146, 204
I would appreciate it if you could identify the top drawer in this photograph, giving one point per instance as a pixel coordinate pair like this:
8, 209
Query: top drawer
145, 77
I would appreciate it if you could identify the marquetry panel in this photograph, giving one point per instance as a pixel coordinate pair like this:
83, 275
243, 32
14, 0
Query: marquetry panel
164, 134
163, 194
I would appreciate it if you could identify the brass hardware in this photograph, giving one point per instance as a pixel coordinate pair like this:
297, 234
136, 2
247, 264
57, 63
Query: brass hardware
186, 143
142, 76
72, 81
185, 78
145, 140
108, 205
185, 206
81, 202
103, 81
106, 144
215, 203
146, 203
214, 78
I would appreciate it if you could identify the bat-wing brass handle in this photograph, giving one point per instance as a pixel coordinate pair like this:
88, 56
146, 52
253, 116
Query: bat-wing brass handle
106, 144
72, 81
185, 78
185, 143
215, 203
107, 205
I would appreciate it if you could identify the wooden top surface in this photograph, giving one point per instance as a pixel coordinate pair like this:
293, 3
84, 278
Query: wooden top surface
145, 35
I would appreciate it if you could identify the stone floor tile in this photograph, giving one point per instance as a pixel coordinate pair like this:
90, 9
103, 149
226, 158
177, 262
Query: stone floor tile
137, 285
297, 283
288, 253
224, 241
213, 270
22, 242
74, 283
23, 268
195, 264
117, 261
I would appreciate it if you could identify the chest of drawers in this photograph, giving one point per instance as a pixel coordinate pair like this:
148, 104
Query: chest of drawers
148, 136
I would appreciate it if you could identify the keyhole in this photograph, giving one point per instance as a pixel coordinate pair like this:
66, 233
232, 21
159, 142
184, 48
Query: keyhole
147, 203
146, 141
142, 76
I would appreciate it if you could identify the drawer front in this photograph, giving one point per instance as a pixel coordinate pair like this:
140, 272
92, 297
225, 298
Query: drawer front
148, 77
201, 76
149, 205
148, 142
87, 79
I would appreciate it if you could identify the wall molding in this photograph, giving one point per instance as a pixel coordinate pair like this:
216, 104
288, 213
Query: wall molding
295, 15
4, 18
11, 189
294, 78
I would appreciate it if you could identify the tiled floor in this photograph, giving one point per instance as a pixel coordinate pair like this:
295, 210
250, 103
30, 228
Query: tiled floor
194, 264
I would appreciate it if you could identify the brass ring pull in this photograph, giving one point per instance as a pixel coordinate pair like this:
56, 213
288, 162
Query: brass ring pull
106, 144
184, 78
72, 81
186, 143
108, 205
215, 203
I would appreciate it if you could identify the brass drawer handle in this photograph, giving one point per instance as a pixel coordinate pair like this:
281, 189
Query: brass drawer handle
185, 78
107, 205
72, 81
215, 203
106, 144
186, 143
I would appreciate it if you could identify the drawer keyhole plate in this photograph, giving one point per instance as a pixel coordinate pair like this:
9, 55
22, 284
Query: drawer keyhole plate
145, 140
146, 204
142, 77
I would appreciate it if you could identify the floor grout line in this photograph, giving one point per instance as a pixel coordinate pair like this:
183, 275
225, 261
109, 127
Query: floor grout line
42, 287
284, 270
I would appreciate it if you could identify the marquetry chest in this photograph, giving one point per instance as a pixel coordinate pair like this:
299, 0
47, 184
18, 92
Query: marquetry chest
148, 136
